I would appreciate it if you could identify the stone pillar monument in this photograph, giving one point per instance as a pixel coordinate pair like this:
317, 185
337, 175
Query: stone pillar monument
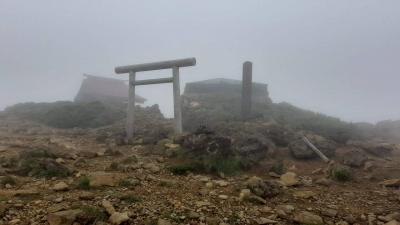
247, 89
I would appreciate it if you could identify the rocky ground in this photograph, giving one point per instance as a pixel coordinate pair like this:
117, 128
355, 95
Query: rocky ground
89, 181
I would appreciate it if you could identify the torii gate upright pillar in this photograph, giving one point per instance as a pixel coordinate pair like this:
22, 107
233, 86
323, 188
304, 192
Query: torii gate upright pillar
132, 69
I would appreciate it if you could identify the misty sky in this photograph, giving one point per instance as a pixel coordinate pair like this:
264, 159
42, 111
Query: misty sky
341, 58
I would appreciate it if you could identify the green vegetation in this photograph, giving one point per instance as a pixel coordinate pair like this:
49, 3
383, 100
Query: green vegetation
40, 163
278, 168
93, 214
130, 198
7, 180
66, 114
84, 183
130, 160
181, 169
297, 118
342, 174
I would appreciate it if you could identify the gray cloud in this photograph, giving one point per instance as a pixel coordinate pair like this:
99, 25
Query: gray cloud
336, 57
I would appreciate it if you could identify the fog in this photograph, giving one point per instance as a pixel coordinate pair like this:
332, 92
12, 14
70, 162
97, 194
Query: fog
336, 57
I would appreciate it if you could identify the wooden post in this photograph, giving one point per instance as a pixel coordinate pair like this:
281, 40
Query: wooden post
315, 149
247, 85
177, 100
130, 123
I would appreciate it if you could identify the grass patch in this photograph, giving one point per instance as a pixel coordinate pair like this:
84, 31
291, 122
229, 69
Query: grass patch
93, 213
129, 160
130, 198
84, 183
7, 180
182, 169
278, 168
128, 183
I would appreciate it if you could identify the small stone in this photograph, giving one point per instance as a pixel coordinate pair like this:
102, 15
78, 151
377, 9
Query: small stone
308, 218
393, 222
86, 196
60, 160
223, 197
193, 215
222, 183
209, 185
263, 220
66, 217
14, 221
244, 194
329, 212
117, 218
61, 186
163, 222
304, 194
324, 182
108, 207
58, 200
289, 179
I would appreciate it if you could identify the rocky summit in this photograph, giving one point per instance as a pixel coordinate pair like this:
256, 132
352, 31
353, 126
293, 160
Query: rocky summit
72, 177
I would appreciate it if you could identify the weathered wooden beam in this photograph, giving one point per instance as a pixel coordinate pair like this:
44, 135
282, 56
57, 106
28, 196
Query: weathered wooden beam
153, 81
130, 119
156, 65
315, 149
177, 100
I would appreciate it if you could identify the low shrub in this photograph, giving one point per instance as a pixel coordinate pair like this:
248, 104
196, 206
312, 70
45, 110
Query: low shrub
7, 180
84, 183
91, 214
182, 169
341, 174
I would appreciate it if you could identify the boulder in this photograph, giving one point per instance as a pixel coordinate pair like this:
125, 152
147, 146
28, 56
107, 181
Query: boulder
99, 179
300, 150
108, 207
60, 186
308, 218
289, 179
66, 217
263, 188
354, 157
395, 183
263, 220
163, 222
379, 150
117, 218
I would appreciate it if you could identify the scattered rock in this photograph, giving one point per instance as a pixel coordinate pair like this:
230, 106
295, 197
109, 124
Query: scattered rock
117, 218
263, 220
395, 183
304, 194
108, 207
289, 179
223, 197
263, 188
354, 157
66, 217
324, 182
163, 222
244, 194
98, 179
308, 218
60, 186
221, 183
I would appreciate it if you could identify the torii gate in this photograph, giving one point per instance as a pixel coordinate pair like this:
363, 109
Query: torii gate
171, 64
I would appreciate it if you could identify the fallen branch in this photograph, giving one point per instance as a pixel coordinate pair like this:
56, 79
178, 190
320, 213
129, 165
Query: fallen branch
315, 149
